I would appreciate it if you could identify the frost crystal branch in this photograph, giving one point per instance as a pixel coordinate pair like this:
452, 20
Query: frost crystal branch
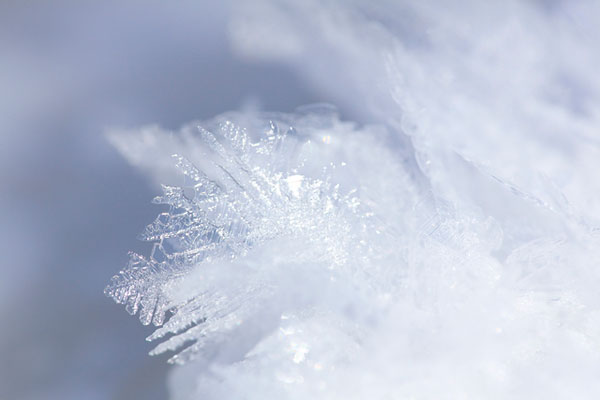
304, 249
251, 192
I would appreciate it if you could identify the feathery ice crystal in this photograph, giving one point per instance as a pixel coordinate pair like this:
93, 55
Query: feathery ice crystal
307, 257
255, 186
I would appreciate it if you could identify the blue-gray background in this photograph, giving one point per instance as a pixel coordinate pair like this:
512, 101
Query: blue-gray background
70, 207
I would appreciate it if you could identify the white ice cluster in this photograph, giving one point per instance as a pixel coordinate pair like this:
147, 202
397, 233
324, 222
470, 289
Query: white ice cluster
449, 250
256, 187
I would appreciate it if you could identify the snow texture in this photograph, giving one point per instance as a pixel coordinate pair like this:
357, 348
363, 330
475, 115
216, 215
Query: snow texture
448, 250
255, 187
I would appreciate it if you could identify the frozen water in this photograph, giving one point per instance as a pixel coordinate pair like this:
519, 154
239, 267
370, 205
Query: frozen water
450, 249
269, 183
302, 256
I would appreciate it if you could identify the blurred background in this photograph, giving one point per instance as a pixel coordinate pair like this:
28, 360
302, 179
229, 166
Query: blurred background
70, 207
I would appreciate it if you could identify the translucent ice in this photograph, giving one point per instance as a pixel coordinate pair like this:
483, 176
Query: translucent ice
450, 250
265, 186
303, 250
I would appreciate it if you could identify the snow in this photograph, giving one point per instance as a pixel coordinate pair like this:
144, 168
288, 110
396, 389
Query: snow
448, 248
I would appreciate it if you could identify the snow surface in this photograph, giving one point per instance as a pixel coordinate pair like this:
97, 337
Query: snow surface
448, 248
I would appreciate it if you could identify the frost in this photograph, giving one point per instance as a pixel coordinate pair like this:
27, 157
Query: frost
448, 250
254, 190
303, 256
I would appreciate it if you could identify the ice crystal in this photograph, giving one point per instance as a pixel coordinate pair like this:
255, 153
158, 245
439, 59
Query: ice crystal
451, 251
304, 256
254, 187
